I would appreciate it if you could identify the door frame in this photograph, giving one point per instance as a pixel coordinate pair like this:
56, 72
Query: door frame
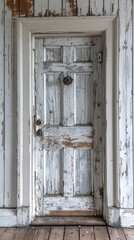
27, 30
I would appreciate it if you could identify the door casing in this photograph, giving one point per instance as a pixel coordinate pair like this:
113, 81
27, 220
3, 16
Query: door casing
27, 30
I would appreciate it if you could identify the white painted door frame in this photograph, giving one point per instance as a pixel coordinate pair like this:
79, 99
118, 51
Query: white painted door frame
27, 29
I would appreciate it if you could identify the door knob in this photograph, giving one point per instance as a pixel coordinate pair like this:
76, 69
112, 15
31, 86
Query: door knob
67, 80
39, 133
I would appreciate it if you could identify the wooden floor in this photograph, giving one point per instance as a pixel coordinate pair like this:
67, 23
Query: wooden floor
67, 233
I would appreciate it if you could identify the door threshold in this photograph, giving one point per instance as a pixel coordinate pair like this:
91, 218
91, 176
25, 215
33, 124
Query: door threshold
66, 220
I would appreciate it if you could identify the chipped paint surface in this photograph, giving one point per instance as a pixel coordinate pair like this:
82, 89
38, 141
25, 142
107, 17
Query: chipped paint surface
21, 7
122, 8
68, 113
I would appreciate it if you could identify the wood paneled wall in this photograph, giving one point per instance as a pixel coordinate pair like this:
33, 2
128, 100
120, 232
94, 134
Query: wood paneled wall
9, 10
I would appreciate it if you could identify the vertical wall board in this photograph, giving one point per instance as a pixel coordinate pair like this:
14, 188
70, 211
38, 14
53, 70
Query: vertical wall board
40, 8
14, 6
83, 9
55, 8
125, 104
26, 8
110, 7
96, 7
1, 101
69, 7
10, 128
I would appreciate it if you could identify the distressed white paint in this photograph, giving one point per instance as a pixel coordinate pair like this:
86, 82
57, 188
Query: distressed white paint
10, 116
125, 106
2, 129
96, 7
41, 6
83, 9
110, 7
67, 172
27, 97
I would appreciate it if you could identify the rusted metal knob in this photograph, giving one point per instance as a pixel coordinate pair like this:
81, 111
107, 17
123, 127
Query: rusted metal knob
39, 133
67, 80
38, 122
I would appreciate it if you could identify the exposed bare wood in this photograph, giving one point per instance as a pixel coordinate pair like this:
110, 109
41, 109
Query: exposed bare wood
71, 233
69, 221
21, 7
129, 233
42, 233
87, 233
57, 233
101, 232
116, 233
69, 8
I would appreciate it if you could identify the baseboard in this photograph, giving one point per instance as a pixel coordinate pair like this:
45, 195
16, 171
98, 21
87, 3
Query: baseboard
14, 217
8, 218
120, 217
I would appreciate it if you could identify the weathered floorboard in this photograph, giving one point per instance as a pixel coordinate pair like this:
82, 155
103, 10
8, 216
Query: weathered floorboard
56, 233
87, 233
129, 233
116, 233
71, 233
101, 233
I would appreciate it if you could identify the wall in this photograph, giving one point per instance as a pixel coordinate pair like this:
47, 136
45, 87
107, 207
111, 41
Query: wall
9, 11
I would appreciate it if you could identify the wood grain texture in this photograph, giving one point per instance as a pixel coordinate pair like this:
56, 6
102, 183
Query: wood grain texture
68, 221
110, 7
57, 233
116, 233
96, 7
129, 233
87, 233
2, 128
101, 233
40, 8
71, 233
125, 105
42, 233
10, 115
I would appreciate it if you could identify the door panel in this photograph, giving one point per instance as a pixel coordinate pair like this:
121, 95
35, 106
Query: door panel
68, 153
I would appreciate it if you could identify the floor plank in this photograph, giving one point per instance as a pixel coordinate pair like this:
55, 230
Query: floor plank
71, 233
129, 232
84, 221
19, 233
29, 234
7, 234
42, 233
101, 233
87, 233
116, 233
57, 233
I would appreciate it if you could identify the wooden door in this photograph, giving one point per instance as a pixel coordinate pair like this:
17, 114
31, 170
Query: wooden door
68, 123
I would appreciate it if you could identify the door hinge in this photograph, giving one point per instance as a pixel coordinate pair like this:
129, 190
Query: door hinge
100, 57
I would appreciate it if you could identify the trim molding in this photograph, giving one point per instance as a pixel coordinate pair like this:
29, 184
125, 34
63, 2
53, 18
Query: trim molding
120, 217
27, 30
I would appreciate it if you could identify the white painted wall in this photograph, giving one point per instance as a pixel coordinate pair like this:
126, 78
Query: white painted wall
123, 97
